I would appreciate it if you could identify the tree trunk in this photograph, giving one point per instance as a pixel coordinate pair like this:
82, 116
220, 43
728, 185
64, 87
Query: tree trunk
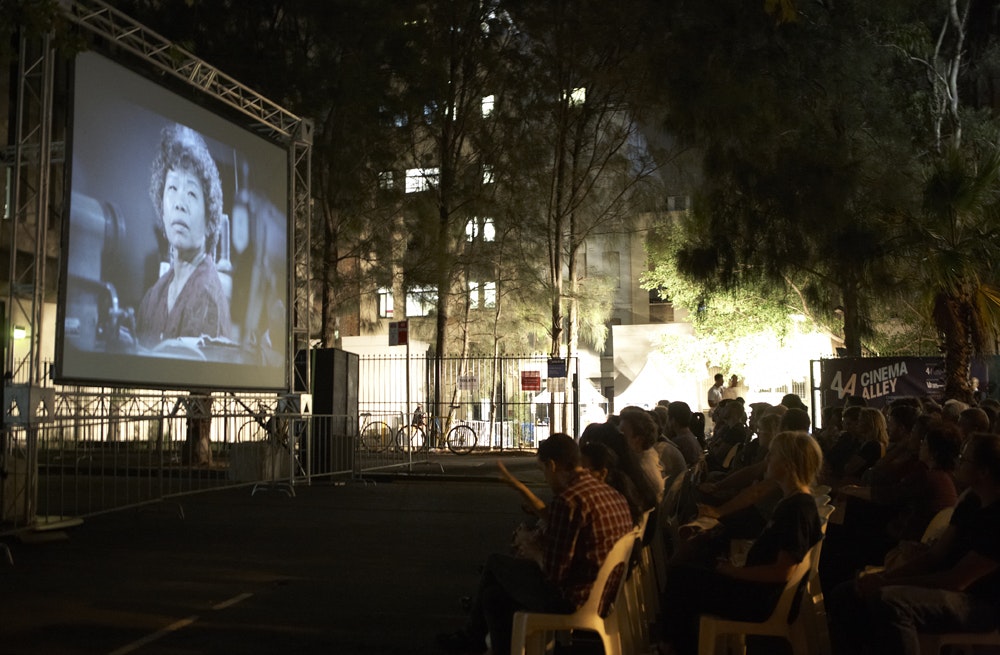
328, 276
852, 321
951, 316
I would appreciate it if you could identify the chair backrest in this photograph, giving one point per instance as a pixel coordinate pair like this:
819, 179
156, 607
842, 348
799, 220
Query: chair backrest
671, 499
821, 489
610, 576
796, 581
824, 512
731, 455
937, 525
648, 525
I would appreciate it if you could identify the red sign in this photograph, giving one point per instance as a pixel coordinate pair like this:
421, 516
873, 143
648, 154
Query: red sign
531, 380
398, 333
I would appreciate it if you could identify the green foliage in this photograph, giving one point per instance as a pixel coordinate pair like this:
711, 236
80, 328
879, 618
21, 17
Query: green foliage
32, 19
724, 315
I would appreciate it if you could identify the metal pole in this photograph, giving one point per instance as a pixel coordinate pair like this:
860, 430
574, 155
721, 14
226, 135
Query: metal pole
407, 416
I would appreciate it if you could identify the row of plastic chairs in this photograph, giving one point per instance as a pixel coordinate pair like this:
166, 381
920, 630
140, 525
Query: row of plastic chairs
640, 557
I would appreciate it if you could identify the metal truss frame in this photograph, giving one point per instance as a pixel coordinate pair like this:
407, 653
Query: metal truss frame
114, 26
36, 211
34, 154
31, 161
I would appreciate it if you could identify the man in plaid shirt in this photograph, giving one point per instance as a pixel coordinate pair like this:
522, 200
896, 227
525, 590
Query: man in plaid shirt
581, 525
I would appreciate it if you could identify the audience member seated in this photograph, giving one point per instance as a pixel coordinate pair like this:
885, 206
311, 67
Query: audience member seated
750, 465
796, 419
603, 464
671, 458
746, 511
992, 408
952, 409
901, 457
757, 411
754, 452
680, 425
794, 401
750, 592
953, 587
973, 420
878, 517
731, 432
584, 520
827, 435
609, 435
870, 439
641, 431
840, 449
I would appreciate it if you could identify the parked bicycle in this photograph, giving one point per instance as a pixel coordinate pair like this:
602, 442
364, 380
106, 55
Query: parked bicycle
461, 439
376, 436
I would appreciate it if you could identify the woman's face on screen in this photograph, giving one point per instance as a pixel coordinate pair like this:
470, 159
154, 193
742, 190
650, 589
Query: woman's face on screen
184, 210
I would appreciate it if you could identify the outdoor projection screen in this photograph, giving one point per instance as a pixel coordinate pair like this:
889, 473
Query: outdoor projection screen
176, 247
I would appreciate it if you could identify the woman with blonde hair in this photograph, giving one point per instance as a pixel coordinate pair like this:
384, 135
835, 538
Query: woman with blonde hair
793, 461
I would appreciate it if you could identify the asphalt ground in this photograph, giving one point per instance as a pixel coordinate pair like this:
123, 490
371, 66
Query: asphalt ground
368, 567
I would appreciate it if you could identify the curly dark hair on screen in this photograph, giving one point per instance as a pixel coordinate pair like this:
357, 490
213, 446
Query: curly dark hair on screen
183, 148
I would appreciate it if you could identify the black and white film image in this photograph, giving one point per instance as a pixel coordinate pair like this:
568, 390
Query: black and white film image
176, 251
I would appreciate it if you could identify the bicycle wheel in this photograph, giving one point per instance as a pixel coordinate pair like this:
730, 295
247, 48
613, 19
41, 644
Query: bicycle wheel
375, 437
411, 437
461, 439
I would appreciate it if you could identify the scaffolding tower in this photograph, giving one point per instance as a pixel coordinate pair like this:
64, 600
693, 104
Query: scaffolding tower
35, 204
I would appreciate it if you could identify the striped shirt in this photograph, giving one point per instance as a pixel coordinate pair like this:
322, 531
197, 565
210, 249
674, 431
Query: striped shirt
585, 521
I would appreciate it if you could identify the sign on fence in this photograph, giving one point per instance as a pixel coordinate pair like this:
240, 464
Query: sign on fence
531, 380
879, 380
557, 367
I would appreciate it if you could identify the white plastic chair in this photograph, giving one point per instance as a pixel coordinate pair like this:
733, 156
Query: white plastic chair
635, 602
710, 628
530, 628
813, 610
937, 525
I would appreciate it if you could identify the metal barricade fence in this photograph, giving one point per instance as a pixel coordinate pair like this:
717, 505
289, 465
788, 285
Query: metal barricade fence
79, 464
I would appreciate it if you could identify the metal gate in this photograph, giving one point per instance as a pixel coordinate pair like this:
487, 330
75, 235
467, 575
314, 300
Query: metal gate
510, 402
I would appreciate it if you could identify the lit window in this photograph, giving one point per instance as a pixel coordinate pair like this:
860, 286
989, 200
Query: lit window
384, 303
578, 96
385, 180
473, 295
420, 179
476, 226
488, 102
487, 292
488, 177
421, 301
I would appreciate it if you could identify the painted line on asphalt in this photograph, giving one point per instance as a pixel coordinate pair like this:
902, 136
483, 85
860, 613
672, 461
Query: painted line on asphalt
175, 626
232, 601
148, 639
